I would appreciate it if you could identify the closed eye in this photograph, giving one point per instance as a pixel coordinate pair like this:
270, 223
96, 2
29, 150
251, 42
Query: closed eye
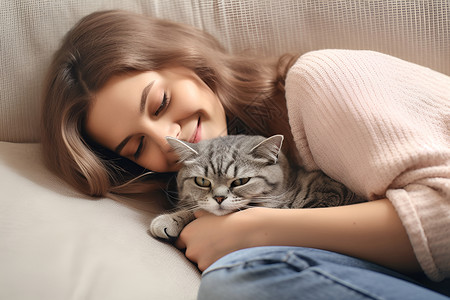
165, 101
139, 148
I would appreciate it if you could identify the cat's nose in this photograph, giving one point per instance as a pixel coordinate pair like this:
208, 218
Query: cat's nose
219, 199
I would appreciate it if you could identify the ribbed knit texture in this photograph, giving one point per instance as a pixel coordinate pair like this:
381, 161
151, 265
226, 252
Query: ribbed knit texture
381, 126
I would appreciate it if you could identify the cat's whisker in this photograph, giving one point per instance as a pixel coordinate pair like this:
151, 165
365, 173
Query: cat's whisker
188, 206
194, 208
172, 196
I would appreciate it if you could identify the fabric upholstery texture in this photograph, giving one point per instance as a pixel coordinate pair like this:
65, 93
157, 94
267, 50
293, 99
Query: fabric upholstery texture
417, 31
58, 244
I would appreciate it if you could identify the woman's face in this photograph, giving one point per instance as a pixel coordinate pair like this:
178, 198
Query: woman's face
133, 113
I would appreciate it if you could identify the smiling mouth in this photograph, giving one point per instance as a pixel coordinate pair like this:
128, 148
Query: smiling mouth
197, 134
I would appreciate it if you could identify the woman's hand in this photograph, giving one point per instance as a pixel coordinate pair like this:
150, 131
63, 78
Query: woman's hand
209, 237
370, 231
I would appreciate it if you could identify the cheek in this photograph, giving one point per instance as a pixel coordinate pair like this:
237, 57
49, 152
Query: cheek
188, 94
187, 186
201, 97
158, 158
155, 161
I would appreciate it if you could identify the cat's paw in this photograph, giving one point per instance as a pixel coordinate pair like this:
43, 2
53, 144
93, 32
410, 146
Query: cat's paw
165, 227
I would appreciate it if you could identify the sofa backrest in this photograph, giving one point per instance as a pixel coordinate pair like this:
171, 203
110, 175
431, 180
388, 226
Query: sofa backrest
417, 31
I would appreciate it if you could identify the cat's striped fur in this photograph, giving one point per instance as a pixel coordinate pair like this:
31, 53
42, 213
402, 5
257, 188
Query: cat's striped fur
231, 173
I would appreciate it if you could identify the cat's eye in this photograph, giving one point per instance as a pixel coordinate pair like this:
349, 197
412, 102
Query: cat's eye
240, 181
203, 182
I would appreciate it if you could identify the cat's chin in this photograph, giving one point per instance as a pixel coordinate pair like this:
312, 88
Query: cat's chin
221, 212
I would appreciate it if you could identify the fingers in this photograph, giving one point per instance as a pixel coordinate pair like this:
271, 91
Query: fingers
180, 243
190, 241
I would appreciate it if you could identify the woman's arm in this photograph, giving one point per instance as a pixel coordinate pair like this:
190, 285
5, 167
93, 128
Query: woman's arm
380, 126
371, 231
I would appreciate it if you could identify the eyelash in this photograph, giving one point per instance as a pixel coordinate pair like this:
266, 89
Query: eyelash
165, 101
139, 149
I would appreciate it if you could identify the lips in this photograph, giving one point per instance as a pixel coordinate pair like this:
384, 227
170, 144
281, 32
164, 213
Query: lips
196, 137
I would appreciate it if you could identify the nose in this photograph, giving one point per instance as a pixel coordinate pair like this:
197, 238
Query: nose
220, 199
220, 193
160, 130
172, 130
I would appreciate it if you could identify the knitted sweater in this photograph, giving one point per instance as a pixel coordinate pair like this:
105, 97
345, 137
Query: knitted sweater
381, 126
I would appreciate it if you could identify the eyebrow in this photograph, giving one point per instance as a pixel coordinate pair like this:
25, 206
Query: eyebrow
143, 102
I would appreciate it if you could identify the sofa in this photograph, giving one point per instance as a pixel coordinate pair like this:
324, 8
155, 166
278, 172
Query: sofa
56, 243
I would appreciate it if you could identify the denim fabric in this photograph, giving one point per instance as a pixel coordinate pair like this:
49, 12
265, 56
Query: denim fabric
303, 273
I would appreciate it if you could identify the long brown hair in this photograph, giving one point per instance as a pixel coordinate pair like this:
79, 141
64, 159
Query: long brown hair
109, 43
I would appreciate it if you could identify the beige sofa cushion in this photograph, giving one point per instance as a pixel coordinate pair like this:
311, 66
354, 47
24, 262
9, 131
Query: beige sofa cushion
57, 244
30, 32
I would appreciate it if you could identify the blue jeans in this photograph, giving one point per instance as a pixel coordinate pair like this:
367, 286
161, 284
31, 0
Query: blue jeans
303, 273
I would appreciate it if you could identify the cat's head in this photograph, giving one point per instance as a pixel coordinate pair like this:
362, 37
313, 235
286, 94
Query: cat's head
229, 173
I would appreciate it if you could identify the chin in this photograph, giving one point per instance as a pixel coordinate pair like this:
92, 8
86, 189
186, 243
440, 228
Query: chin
220, 211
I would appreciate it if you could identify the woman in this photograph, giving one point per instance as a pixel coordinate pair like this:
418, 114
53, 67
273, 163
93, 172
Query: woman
120, 83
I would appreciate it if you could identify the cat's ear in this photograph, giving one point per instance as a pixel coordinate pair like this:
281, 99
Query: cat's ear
184, 150
269, 148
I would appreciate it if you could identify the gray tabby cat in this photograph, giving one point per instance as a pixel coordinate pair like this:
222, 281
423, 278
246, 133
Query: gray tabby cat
231, 173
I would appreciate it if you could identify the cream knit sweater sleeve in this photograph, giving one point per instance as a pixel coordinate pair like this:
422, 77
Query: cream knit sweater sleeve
381, 126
